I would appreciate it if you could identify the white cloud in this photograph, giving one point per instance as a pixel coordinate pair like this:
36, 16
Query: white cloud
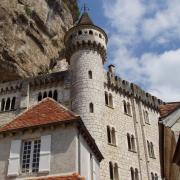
132, 23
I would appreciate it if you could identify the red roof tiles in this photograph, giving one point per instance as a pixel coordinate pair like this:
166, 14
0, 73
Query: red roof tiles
168, 108
45, 112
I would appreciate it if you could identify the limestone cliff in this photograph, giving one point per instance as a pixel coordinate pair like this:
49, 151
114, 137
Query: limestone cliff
31, 35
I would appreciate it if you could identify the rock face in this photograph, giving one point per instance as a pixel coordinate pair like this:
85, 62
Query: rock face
32, 35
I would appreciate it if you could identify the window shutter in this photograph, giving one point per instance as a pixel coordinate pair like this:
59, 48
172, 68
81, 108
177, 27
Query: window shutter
14, 158
45, 154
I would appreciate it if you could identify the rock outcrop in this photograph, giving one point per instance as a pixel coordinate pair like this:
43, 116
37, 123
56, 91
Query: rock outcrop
32, 34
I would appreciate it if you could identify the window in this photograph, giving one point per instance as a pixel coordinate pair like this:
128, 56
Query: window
131, 142
146, 117
150, 149
134, 173
108, 99
127, 108
30, 156
90, 74
152, 176
80, 32
90, 32
13, 103
111, 135
2, 104
91, 108
51, 94
156, 176
8, 104
113, 171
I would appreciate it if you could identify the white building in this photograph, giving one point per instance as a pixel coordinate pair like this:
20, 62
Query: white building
120, 116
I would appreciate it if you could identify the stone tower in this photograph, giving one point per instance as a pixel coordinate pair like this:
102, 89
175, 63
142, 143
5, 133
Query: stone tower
86, 53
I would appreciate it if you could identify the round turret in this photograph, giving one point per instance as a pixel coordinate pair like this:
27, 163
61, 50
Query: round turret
85, 35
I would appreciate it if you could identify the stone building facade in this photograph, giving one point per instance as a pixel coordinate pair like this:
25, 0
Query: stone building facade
121, 117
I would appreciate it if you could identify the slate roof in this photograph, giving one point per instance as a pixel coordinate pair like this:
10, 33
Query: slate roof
45, 112
168, 108
85, 19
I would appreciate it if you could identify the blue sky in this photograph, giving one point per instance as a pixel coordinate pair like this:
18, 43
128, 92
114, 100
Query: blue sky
144, 42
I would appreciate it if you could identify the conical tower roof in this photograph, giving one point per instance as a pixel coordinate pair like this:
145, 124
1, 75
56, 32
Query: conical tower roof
85, 19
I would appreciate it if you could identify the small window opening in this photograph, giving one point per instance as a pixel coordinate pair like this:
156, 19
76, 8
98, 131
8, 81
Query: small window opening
2, 104
129, 141
110, 100
91, 107
40, 96
109, 134
90, 74
111, 173
132, 173
50, 94
55, 95
80, 32
44, 95
106, 98
13, 103
125, 107
91, 32
8, 102
100, 35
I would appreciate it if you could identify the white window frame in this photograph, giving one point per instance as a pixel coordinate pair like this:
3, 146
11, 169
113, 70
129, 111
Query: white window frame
31, 155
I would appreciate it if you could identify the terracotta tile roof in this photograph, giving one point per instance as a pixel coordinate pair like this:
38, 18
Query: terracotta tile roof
68, 177
168, 108
45, 112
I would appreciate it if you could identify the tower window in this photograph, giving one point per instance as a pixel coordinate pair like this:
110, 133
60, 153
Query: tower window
8, 102
111, 135
131, 142
90, 74
91, 32
45, 95
91, 108
39, 96
2, 104
127, 108
146, 117
150, 149
13, 103
108, 99
134, 173
113, 171
50, 94
100, 35
55, 95
80, 32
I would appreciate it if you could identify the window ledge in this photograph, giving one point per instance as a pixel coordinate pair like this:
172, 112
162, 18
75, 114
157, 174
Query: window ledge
147, 123
109, 106
128, 114
112, 144
152, 157
11, 110
133, 151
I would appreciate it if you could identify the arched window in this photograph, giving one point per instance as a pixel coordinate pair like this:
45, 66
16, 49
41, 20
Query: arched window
50, 94
132, 174
113, 135
13, 103
91, 32
116, 172
152, 176
152, 150
146, 117
110, 100
111, 173
108, 134
39, 96
106, 98
90, 74
129, 141
8, 102
156, 176
55, 95
100, 35
2, 104
128, 108
125, 107
136, 174
91, 108
133, 143
80, 32
45, 95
